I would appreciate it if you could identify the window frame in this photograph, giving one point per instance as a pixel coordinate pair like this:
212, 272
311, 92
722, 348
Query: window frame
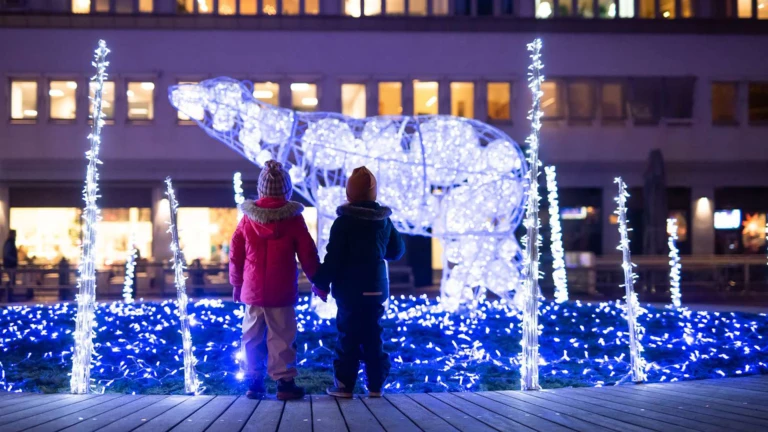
299, 80
128, 82
622, 83
581, 121
190, 121
272, 80
108, 121
22, 79
49, 106
749, 121
365, 93
402, 83
450, 83
561, 84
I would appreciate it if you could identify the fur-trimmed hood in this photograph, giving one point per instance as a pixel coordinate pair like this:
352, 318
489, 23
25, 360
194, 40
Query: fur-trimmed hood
265, 215
372, 211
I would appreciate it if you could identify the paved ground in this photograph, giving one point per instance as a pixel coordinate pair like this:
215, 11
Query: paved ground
729, 404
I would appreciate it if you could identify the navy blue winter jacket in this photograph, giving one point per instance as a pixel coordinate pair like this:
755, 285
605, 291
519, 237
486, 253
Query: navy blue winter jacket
362, 238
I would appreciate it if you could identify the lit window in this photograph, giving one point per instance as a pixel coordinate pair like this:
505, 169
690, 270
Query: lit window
463, 99
686, 8
395, 7
63, 100
290, 7
248, 7
745, 8
204, 6
647, 8
626, 9
667, 8
311, 7
207, 232
117, 227
584, 8
390, 98
227, 7
758, 102
370, 7
197, 112
551, 100
269, 7
612, 101
141, 104
498, 101
185, 6
84, 6
48, 234
417, 7
544, 9
762, 9
146, 6
267, 92
304, 97
724, 97
606, 8
581, 100
126, 6
107, 99
23, 100
439, 7
425, 97
353, 100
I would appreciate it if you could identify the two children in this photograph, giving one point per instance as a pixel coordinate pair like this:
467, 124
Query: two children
264, 276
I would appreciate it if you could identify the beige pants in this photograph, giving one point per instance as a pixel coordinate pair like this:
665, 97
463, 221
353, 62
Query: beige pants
268, 341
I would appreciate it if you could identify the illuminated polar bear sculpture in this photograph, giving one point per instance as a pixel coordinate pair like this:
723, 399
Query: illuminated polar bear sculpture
453, 178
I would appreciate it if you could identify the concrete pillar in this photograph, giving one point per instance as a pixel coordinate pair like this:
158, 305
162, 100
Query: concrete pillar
161, 239
481, 100
285, 94
525, 8
703, 220
372, 98
5, 213
610, 231
444, 97
407, 100
331, 7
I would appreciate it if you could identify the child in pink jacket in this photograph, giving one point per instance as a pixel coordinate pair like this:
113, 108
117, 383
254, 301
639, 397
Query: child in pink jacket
263, 272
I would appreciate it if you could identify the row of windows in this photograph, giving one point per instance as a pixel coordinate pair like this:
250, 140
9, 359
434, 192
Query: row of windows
140, 99
646, 100
669, 9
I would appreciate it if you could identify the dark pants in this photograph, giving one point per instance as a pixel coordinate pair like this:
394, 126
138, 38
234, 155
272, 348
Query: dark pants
360, 339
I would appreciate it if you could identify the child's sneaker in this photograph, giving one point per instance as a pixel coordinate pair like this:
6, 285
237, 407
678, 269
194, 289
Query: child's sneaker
339, 390
256, 389
288, 390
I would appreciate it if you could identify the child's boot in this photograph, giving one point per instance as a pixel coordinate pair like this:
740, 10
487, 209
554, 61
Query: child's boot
339, 390
288, 390
256, 389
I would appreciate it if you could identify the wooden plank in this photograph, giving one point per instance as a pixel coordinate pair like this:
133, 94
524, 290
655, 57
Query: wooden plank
206, 416
80, 416
556, 408
722, 391
326, 414
734, 384
669, 415
266, 417
96, 422
235, 417
600, 409
12, 401
357, 416
531, 415
42, 406
490, 417
708, 414
11, 395
422, 417
174, 416
19, 404
456, 418
723, 403
391, 418
297, 416
131, 421
53, 414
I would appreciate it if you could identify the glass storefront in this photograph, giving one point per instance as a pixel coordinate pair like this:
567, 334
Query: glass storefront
205, 233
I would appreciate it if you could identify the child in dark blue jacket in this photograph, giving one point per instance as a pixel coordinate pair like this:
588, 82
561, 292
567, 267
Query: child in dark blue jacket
362, 238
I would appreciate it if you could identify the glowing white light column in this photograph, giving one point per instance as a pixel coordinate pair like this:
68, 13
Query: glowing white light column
191, 384
529, 362
80, 382
130, 267
556, 238
633, 309
237, 182
674, 263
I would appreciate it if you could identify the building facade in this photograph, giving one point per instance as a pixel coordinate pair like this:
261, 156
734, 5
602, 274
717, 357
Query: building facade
624, 77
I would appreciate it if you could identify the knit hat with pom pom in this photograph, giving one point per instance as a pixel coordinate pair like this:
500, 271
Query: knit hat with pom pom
274, 181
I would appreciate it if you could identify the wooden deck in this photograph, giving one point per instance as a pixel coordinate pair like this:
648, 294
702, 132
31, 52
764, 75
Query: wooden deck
730, 404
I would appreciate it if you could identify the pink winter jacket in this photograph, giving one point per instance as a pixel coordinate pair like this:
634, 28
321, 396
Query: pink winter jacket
262, 257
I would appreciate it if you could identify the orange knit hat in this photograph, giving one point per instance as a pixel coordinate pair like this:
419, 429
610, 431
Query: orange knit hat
361, 185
